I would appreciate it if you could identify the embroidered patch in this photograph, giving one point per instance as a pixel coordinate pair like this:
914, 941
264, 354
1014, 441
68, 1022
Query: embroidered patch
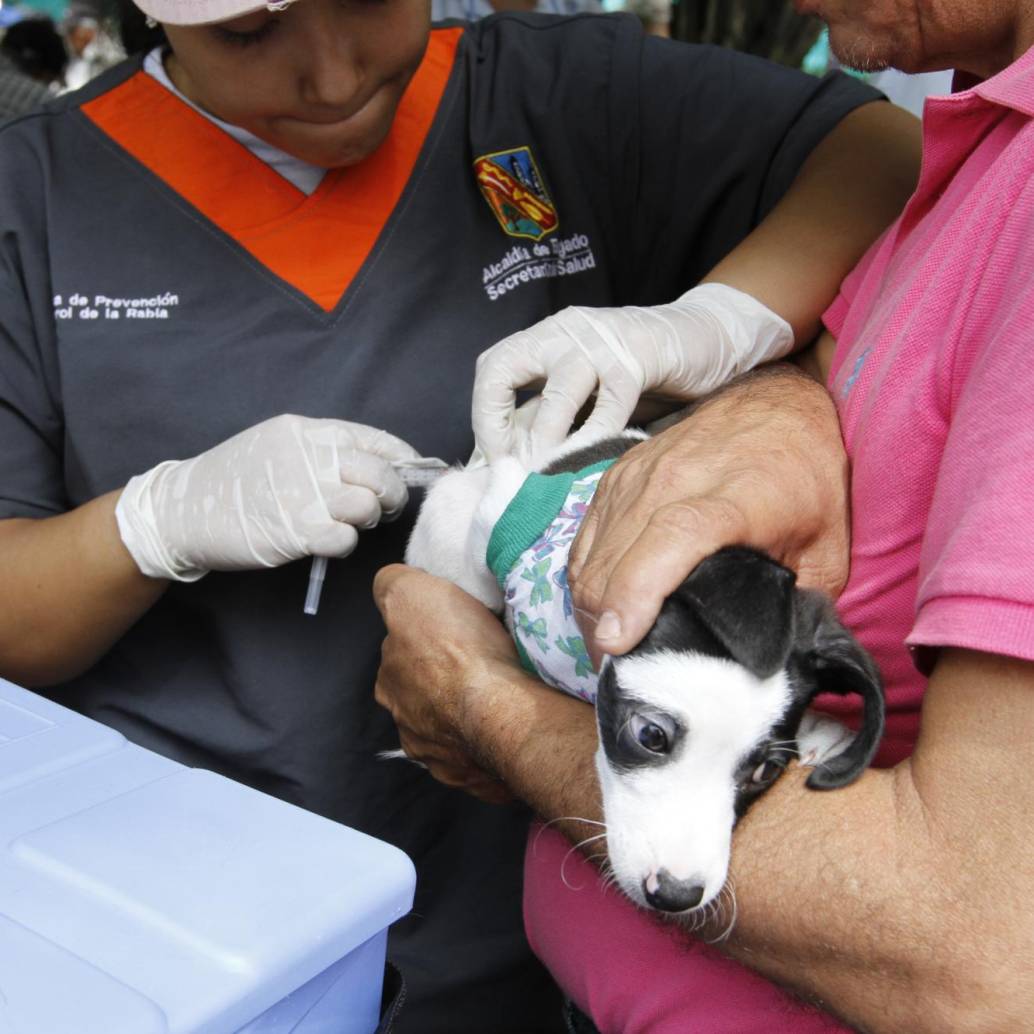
512, 186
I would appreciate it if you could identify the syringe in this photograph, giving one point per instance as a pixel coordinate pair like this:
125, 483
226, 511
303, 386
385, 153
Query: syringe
418, 473
317, 573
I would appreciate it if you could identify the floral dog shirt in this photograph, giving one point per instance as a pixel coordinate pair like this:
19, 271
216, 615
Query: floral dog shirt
528, 554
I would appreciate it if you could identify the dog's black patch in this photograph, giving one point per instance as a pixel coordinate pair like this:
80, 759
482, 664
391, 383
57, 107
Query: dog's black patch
826, 658
778, 748
746, 600
615, 712
605, 449
679, 628
737, 604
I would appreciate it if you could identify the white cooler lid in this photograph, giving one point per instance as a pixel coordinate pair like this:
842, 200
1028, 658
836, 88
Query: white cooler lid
139, 896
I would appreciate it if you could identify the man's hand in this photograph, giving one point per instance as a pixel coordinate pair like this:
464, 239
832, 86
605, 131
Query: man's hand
760, 463
433, 680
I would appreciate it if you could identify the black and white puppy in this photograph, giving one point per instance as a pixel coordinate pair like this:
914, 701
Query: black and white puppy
703, 716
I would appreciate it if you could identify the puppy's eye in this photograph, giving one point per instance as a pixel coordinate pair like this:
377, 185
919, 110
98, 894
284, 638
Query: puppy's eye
765, 772
650, 735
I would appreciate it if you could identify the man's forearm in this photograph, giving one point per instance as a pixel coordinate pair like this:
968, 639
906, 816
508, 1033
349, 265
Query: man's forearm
904, 900
846, 898
68, 591
832, 903
541, 743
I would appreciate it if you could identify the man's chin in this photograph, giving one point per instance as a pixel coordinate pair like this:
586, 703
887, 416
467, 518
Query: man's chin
862, 64
860, 55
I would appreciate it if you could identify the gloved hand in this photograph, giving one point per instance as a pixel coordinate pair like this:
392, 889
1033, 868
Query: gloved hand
287, 488
683, 350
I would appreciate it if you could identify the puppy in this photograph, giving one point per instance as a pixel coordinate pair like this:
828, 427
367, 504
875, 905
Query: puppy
703, 716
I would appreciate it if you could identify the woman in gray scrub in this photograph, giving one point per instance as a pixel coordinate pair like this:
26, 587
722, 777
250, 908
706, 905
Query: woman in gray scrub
249, 269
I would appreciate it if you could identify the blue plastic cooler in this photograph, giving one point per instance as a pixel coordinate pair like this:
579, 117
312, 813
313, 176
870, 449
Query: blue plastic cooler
138, 896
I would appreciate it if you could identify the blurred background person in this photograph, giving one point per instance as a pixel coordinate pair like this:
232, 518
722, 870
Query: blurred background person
91, 49
35, 48
19, 92
471, 10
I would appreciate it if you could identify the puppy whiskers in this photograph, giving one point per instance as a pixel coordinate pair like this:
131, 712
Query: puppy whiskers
572, 818
730, 890
610, 878
565, 818
573, 850
703, 917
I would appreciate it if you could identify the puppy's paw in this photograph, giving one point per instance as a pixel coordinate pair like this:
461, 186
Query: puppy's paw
820, 738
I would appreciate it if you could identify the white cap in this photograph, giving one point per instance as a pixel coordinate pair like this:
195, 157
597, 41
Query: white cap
201, 12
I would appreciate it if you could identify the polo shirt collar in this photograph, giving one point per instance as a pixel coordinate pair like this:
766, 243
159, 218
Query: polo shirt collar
1012, 87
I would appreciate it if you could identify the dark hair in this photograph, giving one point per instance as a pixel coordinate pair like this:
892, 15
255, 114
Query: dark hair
36, 48
134, 33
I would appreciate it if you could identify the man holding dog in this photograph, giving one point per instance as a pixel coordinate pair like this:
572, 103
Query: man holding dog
902, 903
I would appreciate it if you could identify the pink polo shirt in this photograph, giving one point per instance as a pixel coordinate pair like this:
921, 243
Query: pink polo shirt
934, 381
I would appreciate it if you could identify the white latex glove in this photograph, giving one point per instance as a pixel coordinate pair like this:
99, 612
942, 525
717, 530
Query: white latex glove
683, 350
287, 488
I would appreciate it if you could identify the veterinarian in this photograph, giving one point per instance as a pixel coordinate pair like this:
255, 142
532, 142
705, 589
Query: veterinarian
249, 270
902, 903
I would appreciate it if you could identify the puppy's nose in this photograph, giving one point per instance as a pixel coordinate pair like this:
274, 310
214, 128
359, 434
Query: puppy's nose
667, 894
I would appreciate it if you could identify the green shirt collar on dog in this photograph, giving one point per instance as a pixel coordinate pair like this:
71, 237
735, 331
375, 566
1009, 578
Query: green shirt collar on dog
535, 505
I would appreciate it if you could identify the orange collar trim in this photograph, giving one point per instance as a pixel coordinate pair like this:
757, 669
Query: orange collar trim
318, 243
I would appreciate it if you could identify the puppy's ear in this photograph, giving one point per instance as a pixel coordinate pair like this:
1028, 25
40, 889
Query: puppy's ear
745, 599
835, 662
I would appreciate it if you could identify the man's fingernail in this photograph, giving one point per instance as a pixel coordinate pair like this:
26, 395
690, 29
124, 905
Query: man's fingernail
608, 626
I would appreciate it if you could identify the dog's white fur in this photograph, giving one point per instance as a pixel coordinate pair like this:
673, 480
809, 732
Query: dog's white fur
460, 510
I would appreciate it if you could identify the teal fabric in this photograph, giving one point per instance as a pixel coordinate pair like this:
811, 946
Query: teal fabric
530, 512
